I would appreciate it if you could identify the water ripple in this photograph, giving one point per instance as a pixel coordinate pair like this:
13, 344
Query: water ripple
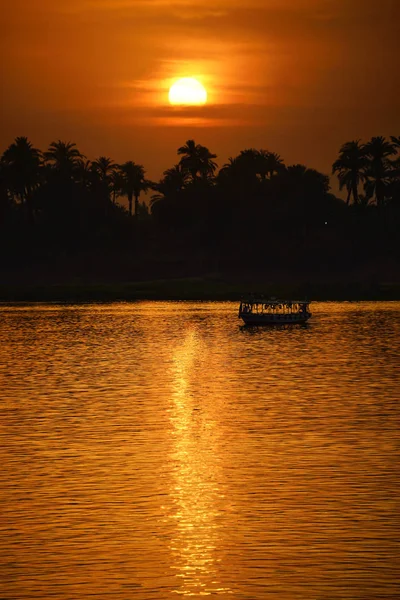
157, 450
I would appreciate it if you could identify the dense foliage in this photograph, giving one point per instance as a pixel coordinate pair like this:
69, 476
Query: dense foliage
253, 211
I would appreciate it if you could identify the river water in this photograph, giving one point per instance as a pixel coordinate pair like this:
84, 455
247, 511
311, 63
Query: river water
155, 450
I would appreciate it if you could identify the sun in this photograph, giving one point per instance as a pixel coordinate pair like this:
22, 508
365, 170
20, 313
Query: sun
187, 91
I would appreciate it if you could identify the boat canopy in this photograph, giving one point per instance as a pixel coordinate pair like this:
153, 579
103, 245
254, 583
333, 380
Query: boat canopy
273, 302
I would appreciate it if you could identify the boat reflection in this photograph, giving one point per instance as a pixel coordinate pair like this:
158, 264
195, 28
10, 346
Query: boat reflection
276, 326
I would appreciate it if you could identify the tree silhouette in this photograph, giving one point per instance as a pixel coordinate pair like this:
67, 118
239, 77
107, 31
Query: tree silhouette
253, 206
176, 178
395, 141
116, 184
311, 177
378, 172
132, 183
22, 171
105, 167
270, 163
252, 163
239, 174
63, 158
351, 168
173, 182
197, 159
306, 185
5, 201
84, 173
229, 169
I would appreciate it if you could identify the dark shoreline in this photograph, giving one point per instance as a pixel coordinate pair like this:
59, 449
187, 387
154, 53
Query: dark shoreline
195, 289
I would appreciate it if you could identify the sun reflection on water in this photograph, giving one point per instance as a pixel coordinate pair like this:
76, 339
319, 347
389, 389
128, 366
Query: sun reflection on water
197, 493
210, 461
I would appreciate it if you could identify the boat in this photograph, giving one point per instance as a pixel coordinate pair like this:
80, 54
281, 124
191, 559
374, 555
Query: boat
261, 311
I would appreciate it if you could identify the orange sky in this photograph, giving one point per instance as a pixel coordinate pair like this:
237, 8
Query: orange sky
298, 77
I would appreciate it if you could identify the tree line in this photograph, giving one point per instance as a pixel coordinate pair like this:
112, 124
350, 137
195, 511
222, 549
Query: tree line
249, 208
376, 165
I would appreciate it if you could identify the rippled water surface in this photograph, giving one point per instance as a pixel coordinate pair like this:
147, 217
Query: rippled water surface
152, 450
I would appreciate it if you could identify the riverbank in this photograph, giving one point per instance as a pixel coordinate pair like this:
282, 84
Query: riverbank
199, 288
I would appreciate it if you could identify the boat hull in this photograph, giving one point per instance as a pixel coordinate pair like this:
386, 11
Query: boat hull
263, 319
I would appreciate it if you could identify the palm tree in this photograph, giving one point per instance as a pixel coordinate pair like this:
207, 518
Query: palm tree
350, 167
176, 176
309, 181
105, 167
22, 163
395, 141
257, 163
250, 163
241, 170
378, 151
116, 184
228, 172
132, 183
173, 182
63, 157
197, 159
5, 200
305, 195
84, 172
273, 162
240, 174
207, 166
229, 169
